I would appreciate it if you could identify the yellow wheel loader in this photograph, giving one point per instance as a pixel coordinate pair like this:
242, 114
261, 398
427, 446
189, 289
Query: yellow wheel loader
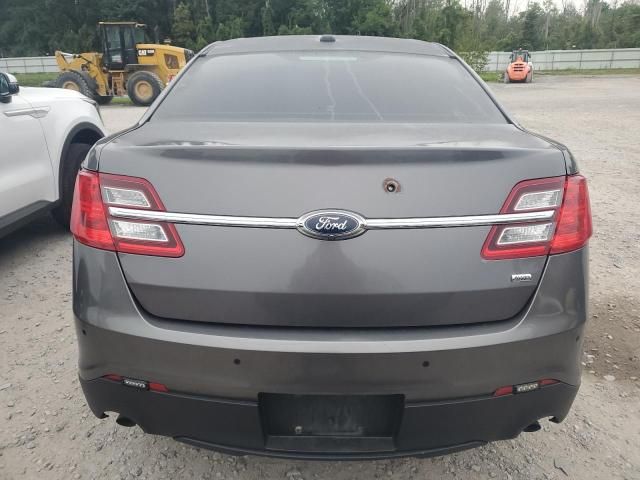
127, 65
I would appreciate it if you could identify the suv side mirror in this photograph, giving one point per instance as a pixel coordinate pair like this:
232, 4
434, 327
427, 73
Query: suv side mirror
8, 87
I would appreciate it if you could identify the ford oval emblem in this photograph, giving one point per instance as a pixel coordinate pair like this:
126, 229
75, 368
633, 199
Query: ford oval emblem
331, 224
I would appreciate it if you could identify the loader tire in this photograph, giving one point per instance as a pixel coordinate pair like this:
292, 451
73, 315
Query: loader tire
144, 87
505, 77
74, 81
103, 100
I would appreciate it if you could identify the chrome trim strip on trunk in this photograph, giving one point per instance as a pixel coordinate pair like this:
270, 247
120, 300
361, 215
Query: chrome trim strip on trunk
465, 221
369, 224
198, 219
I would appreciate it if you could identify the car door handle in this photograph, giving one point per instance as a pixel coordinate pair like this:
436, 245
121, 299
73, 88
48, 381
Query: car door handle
35, 112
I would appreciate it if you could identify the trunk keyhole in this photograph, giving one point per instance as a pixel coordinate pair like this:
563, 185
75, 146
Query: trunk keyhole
391, 185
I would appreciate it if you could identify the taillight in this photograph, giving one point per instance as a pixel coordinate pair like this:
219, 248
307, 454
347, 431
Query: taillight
92, 225
569, 229
88, 217
574, 224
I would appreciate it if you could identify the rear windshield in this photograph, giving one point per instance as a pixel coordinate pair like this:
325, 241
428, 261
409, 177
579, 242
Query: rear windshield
363, 87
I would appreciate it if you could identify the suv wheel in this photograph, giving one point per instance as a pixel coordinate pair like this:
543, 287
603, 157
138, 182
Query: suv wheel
76, 154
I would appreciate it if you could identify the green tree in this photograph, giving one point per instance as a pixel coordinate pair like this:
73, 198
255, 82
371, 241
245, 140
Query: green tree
268, 27
38, 27
204, 34
453, 20
531, 37
376, 20
183, 30
233, 28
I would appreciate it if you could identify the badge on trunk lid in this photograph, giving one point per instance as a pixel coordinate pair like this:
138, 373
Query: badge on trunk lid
331, 224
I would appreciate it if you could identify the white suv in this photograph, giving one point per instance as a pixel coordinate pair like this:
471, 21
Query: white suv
45, 135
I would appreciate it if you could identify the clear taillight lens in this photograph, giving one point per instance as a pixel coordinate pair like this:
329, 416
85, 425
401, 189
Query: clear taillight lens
525, 234
149, 232
568, 229
538, 200
92, 225
125, 197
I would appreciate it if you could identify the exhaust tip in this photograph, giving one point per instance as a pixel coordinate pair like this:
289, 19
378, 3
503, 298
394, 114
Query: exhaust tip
534, 427
125, 421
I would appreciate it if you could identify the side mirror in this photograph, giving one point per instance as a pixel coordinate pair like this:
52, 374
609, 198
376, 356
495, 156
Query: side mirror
8, 87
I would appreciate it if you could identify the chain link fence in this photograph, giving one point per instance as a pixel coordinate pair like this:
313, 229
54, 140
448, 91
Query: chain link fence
498, 61
571, 59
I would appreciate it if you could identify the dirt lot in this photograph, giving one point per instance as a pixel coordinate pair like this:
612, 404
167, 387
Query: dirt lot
46, 430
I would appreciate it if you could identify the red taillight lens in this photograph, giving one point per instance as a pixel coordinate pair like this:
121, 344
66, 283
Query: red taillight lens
574, 224
88, 217
92, 224
568, 229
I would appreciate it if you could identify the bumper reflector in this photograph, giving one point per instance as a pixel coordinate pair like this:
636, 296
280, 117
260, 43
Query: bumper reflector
502, 391
527, 387
135, 383
523, 387
130, 382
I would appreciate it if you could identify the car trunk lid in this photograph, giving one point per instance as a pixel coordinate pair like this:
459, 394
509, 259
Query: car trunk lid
278, 277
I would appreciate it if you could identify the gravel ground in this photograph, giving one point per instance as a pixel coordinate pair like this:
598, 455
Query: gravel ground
46, 430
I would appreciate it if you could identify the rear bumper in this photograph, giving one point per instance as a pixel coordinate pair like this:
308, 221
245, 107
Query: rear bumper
446, 375
426, 428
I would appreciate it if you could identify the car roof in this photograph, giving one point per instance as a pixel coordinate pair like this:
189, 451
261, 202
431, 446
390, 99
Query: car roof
283, 43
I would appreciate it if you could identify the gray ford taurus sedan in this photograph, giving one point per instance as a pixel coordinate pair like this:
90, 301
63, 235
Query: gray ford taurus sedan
330, 247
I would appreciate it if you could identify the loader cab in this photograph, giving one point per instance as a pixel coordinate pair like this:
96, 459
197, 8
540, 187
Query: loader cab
119, 41
520, 55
